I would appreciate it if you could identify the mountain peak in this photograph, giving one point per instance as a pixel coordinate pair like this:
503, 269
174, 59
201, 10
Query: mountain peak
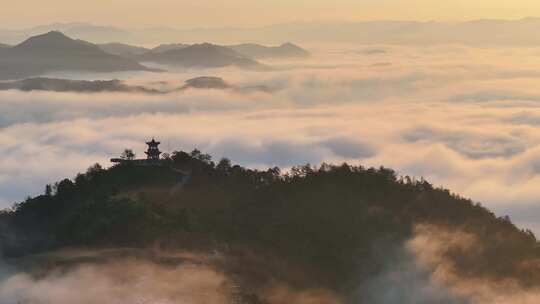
55, 33
50, 39
51, 35
204, 45
290, 45
260, 51
200, 55
54, 51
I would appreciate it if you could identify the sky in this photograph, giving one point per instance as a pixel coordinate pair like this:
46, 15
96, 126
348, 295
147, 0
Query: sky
248, 13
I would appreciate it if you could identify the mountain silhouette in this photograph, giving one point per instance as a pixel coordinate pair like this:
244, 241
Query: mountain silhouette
167, 47
489, 32
121, 49
55, 51
258, 51
203, 55
217, 83
65, 85
251, 50
98, 86
206, 82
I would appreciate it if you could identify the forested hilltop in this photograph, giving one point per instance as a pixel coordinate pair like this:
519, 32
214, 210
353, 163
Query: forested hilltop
332, 227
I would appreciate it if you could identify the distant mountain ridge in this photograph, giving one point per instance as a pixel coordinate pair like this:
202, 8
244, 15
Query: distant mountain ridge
118, 86
206, 82
122, 49
167, 47
251, 50
65, 85
80, 30
203, 55
55, 51
483, 32
217, 83
258, 51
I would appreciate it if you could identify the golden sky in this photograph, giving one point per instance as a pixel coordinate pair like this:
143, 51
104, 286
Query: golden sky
216, 13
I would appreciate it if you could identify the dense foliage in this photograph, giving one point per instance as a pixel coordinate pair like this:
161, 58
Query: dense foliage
337, 223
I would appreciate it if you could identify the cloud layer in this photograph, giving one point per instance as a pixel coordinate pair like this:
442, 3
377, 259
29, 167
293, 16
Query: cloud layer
467, 119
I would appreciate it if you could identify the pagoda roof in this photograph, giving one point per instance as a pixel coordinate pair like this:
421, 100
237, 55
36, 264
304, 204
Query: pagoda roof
153, 142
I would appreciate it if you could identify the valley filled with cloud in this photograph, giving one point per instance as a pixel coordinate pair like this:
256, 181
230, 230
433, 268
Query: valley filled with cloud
464, 118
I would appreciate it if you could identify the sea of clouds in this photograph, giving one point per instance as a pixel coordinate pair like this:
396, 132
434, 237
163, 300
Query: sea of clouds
464, 118
419, 272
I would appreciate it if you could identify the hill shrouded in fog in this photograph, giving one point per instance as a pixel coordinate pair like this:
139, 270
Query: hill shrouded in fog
60, 85
124, 50
250, 50
285, 50
54, 51
67, 85
203, 55
332, 234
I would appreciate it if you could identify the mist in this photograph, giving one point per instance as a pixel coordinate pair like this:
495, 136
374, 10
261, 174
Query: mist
424, 269
125, 275
118, 282
468, 122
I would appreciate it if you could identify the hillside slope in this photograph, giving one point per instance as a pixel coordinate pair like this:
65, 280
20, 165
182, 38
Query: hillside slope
121, 49
333, 227
168, 47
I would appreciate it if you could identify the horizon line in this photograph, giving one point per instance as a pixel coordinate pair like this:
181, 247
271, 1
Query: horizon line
229, 27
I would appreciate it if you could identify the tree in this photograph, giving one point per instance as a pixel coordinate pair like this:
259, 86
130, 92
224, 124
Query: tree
64, 187
48, 190
224, 165
197, 154
96, 168
128, 154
